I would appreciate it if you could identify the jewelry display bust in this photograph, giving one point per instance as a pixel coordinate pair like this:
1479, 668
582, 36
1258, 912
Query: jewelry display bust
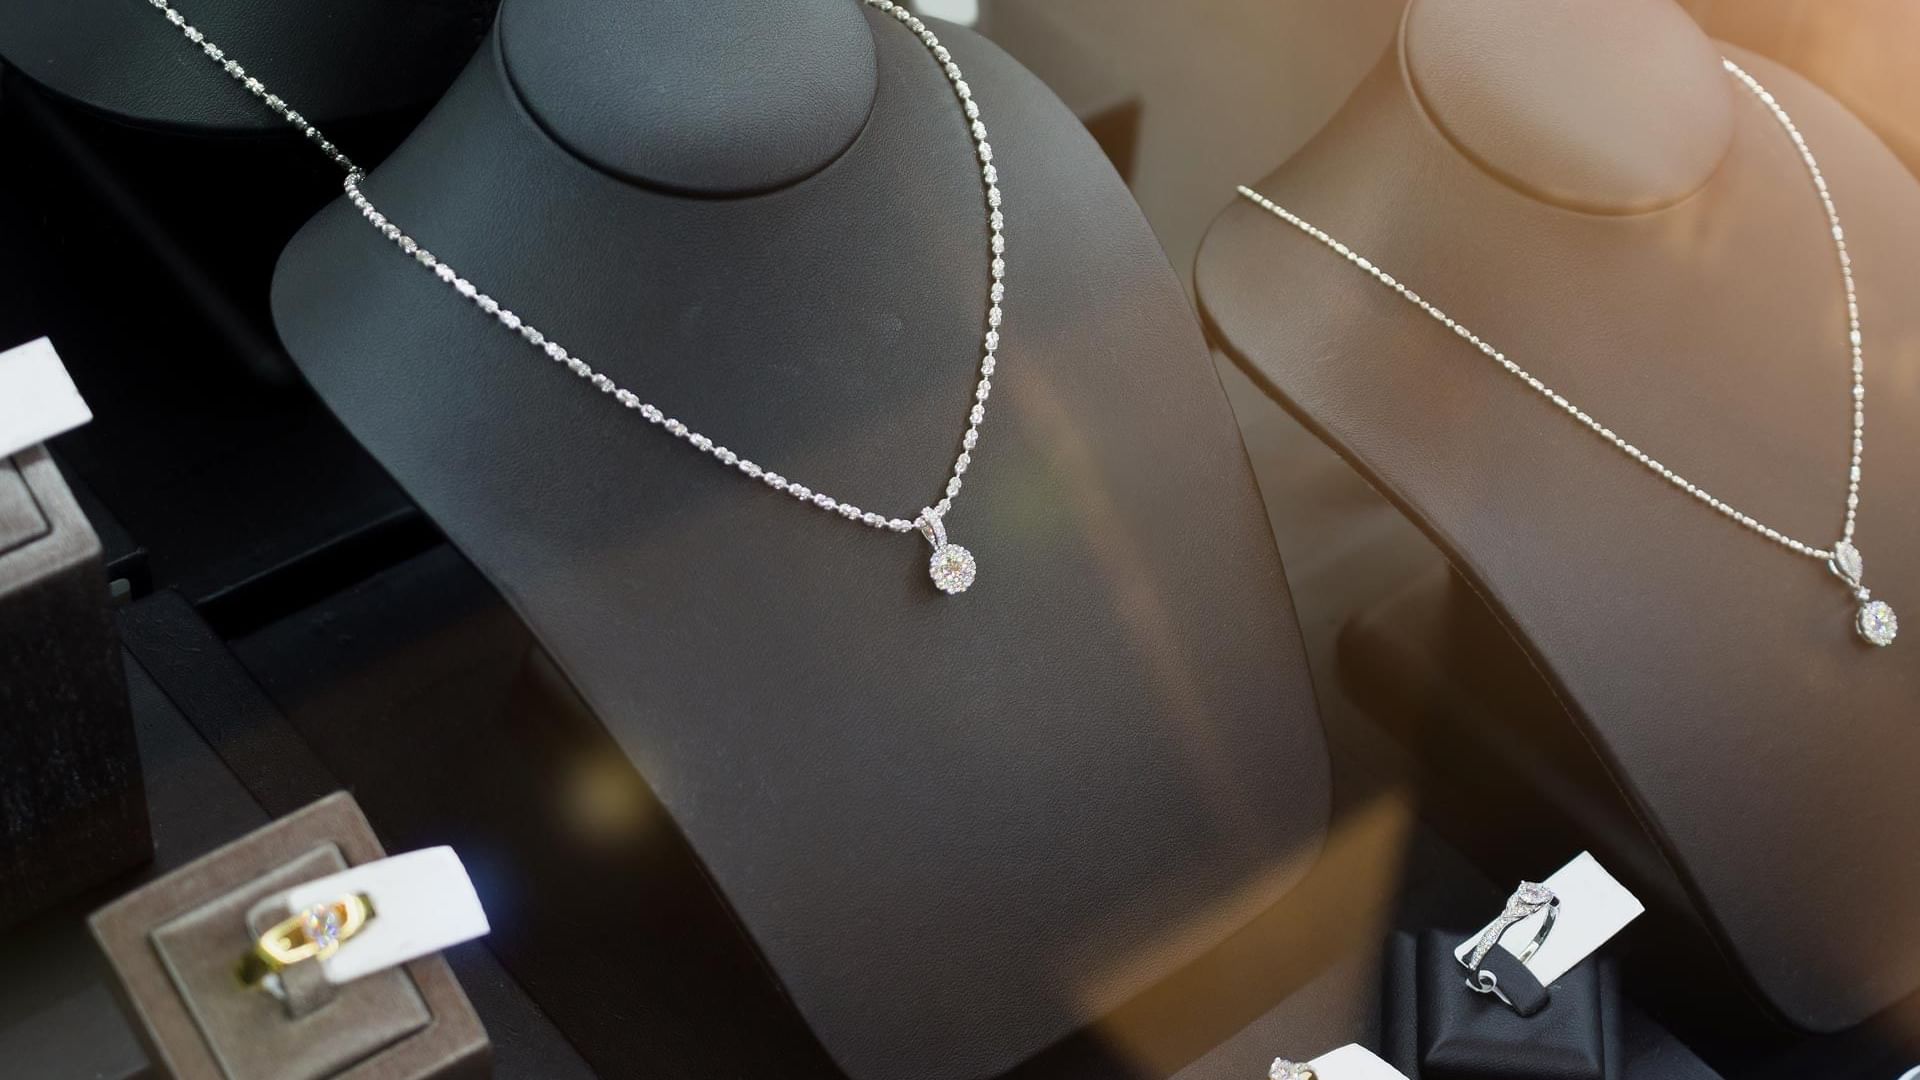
1023, 803
1585, 187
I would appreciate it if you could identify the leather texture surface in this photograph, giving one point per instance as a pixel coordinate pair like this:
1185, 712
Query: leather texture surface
799, 84
1525, 996
1559, 1042
247, 1029
333, 60
957, 828
1716, 676
1574, 1035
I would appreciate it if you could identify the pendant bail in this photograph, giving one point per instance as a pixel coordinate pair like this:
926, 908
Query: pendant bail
932, 527
1847, 564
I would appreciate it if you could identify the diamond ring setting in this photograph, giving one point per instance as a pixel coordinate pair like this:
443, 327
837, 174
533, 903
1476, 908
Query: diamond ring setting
313, 933
1530, 899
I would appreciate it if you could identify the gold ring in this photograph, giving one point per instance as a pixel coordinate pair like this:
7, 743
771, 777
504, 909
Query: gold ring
313, 934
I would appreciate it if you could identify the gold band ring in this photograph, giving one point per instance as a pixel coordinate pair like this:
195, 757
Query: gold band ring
314, 933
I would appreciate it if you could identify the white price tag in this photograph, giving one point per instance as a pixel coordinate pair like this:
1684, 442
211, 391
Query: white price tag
422, 902
1353, 1062
37, 397
1593, 908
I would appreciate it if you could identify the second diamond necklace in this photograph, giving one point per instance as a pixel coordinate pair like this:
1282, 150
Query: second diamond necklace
952, 567
1874, 619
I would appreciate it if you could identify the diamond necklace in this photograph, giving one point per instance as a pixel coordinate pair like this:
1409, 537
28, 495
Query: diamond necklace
1875, 619
952, 567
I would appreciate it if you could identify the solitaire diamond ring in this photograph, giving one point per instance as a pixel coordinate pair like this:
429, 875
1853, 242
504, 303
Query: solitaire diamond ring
313, 933
1528, 900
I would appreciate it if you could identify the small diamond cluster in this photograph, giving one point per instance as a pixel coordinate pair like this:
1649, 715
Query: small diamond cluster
1877, 622
1530, 897
1282, 1069
553, 350
321, 924
953, 568
1559, 400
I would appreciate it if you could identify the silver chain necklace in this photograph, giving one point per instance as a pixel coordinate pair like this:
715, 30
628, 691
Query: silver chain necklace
952, 566
1875, 619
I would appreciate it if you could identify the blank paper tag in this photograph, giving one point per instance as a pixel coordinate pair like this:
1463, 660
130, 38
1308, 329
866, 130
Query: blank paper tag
37, 398
422, 901
1593, 908
1353, 1062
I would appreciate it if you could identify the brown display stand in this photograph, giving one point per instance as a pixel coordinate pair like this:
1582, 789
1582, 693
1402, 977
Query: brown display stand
1587, 190
412, 1023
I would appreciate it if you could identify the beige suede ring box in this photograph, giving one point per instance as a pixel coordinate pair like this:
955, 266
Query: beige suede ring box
175, 944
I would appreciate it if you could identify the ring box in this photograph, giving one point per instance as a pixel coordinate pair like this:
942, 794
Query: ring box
175, 945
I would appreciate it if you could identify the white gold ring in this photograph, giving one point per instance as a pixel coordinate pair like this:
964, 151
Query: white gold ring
1528, 900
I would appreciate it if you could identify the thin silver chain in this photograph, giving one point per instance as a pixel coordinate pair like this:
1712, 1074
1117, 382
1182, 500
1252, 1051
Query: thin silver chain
996, 291
1607, 433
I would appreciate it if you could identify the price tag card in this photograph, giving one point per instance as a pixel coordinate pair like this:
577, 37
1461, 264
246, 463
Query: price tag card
37, 397
1593, 908
1353, 1062
422, 902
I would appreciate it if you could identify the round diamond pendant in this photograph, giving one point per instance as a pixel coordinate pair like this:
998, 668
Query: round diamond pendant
1877, 623
952, 568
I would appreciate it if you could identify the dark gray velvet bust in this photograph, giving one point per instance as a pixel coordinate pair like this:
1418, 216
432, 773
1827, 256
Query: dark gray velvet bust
1588, 190
957, 828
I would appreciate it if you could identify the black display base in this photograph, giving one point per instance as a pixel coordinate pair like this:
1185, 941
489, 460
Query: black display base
1440, 1030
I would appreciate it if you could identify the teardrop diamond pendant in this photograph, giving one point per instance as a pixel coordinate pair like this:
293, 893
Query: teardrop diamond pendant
1875, 620
952, 567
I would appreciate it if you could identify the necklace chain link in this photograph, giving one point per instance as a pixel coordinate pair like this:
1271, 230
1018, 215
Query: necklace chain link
1875, 620
653, 414
1560, 401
